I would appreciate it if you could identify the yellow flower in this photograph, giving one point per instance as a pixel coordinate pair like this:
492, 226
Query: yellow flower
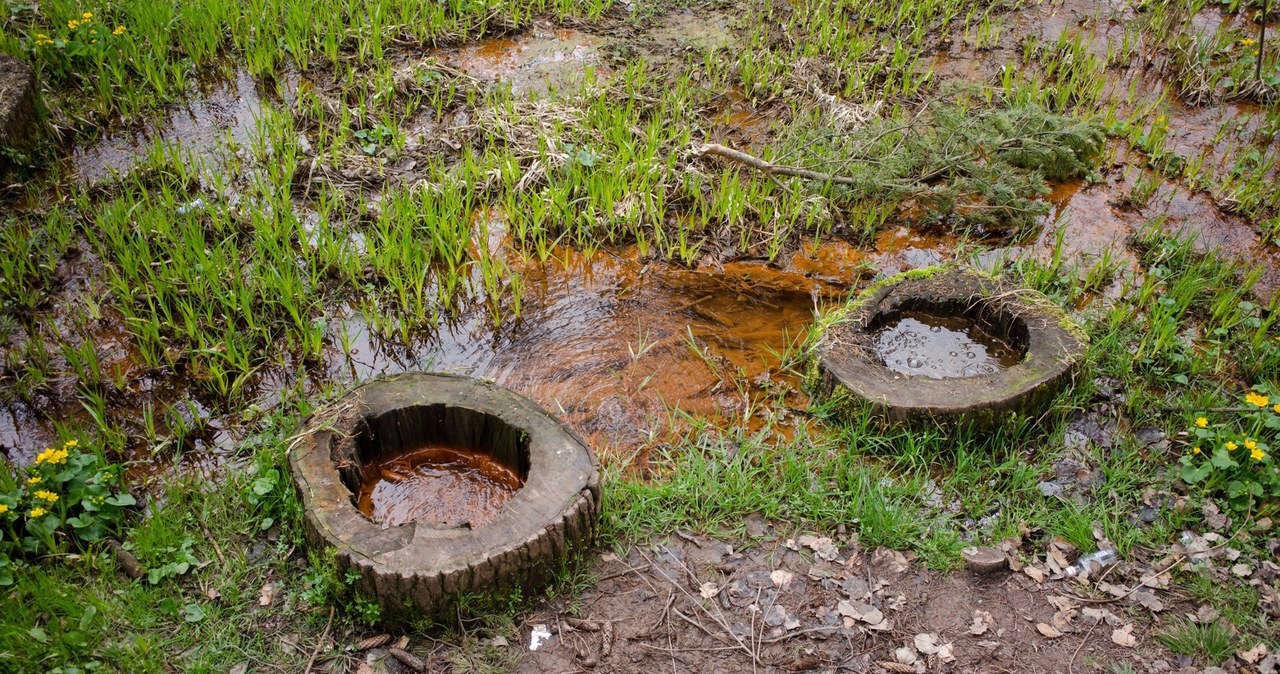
1202, 422
46, 495
1247, 42
1195, 450
37, 512
1250, 444
72, 443
3, 508
35, 480
86, 16
52, 456
1255, 399
1276, 408
73, 24
118, 31
1231, 446
1258, 454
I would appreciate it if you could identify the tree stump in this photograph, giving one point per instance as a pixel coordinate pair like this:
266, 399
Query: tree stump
416, 569
17, 106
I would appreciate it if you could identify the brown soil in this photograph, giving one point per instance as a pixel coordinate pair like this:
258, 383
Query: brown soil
693, 604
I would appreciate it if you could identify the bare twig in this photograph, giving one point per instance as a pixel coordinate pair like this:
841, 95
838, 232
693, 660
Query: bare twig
324, 636
1071, 663
770, 168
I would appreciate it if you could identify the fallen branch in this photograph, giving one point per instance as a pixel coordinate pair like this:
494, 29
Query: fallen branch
324, 637
771, 168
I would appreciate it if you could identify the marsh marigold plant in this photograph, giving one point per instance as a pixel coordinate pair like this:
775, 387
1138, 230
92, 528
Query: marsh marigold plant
66, 497
1232, 455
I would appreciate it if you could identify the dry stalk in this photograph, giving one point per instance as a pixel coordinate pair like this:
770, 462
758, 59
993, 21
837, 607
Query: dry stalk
769, 168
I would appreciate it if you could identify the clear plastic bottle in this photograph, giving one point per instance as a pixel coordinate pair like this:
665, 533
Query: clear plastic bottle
1093, 564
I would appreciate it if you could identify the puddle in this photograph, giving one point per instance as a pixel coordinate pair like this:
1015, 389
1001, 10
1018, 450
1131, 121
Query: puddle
1096, 224
225, 110
537, 62
437, 486
941, 347
740, 119
612, 342
688, 30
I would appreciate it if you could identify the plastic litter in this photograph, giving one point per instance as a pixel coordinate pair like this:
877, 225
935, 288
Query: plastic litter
540, 634
1093, 564
193, 206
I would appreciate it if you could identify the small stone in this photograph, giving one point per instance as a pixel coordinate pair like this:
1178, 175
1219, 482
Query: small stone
1050, 489
984, 559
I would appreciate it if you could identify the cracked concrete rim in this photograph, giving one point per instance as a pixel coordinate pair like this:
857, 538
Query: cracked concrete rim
414, 569
1053, 351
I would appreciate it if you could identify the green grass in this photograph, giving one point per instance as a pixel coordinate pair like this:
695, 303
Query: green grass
1210, 643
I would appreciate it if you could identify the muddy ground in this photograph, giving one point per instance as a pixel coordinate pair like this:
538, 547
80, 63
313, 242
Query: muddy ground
781, 600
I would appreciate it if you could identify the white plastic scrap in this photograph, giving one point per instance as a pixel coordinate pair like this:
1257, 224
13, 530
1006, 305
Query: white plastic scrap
540, 634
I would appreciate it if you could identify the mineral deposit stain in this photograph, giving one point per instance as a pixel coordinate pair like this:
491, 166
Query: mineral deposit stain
941, 347
532, 63
437, 486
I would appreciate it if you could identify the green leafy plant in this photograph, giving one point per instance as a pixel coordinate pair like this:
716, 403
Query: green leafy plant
181, 560
324, 585
1233, 456
68, 497
81, 42
373, 138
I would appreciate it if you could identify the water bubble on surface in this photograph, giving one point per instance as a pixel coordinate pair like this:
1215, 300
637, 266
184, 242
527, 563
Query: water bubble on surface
941, 347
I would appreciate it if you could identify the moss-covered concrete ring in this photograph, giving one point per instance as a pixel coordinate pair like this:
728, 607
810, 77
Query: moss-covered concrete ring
1052, 346
414, 569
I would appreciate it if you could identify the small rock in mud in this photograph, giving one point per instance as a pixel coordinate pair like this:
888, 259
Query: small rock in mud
1097, 428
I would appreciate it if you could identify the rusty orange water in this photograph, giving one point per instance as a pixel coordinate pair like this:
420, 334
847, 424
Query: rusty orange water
621, 346
439, 486
533, 62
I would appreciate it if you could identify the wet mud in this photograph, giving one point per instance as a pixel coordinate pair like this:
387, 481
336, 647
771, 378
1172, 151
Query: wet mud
442, 487
535, 62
